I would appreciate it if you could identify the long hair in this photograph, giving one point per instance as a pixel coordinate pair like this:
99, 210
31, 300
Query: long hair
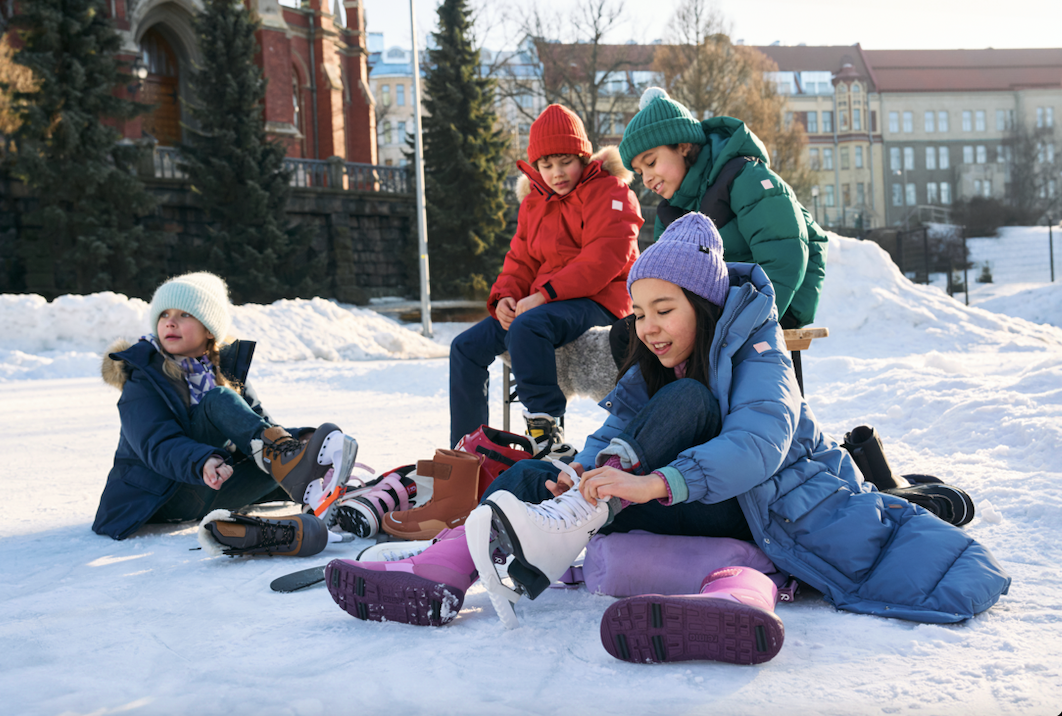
174, 370
655, 374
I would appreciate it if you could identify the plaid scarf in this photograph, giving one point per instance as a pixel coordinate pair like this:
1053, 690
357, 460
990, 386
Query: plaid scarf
198, 372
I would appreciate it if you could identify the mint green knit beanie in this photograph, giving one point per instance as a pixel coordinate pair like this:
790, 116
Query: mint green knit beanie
201, 294
660, 121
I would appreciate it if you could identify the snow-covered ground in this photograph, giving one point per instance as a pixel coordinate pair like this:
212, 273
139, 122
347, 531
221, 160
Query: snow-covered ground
152, 626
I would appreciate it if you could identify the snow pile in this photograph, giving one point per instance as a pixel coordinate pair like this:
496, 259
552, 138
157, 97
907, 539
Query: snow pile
65, 338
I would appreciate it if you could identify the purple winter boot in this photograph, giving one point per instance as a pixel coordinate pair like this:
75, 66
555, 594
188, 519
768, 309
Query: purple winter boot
426, 589
731, 620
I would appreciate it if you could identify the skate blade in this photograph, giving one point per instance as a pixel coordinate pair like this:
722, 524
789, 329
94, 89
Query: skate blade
477, 532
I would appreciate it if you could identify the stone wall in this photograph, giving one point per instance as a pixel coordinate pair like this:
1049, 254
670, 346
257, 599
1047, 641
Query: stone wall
369, 238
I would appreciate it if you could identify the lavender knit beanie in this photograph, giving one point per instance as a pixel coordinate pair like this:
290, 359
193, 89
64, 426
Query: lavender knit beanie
688, 254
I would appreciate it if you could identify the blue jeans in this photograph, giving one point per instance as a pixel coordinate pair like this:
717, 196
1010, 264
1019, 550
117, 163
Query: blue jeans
223, 415
532, 339
681, 415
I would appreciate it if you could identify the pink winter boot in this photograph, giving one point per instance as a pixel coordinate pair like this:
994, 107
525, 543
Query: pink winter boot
731, 620
426, 589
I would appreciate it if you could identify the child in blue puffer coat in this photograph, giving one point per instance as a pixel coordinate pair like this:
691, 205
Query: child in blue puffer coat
191, 424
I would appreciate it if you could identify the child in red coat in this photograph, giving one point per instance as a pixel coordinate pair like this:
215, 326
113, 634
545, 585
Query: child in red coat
565, 272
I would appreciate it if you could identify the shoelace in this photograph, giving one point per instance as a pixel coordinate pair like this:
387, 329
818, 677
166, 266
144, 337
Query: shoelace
284, 447
568, 510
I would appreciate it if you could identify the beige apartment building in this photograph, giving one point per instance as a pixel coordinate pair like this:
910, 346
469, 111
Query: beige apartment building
391, 83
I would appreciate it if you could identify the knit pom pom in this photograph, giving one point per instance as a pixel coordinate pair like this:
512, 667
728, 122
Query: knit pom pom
650, 94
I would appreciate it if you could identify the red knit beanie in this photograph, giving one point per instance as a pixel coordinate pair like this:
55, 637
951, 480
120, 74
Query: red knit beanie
558, 130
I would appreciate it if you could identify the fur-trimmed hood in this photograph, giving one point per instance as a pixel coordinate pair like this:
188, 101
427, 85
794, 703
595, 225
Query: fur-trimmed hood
610, 162
115, 372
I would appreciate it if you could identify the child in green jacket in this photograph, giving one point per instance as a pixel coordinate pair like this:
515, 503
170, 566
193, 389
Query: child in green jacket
719, 168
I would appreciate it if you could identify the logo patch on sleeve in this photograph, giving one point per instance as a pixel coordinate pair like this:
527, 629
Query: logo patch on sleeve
761, 346
617, 205
767, 184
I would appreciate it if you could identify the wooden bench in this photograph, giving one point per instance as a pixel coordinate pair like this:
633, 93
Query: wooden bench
585, 366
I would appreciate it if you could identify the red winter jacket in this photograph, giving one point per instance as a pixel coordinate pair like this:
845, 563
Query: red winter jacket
580, 245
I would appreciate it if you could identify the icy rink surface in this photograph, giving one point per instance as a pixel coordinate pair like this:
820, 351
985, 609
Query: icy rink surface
152, 626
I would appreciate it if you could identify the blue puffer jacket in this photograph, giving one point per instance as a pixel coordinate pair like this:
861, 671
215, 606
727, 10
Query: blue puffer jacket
807, 506
154, 452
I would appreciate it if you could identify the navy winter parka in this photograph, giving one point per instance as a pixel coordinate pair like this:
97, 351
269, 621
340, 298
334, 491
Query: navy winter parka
807, 506
155, 454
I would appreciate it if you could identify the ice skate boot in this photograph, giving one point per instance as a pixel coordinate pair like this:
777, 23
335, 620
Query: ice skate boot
426, 589
360, 510
232, 533
296, 464
547, 435
544, 540
732, 619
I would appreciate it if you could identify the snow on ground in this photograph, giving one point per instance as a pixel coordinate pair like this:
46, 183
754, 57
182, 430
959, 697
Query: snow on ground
152, 626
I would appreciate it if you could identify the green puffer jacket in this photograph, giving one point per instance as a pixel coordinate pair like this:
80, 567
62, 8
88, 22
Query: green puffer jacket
771, 227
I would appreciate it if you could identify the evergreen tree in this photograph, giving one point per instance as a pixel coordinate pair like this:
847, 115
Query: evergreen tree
463, 163
84, 234
236, 171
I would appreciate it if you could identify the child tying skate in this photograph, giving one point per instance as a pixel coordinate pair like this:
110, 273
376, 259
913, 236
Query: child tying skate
707, 435
195, 438
564, 273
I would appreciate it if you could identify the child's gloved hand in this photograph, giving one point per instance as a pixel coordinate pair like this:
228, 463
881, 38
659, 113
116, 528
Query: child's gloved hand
215, 472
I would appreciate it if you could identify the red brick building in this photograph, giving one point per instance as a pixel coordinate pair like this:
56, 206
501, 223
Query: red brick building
317, 99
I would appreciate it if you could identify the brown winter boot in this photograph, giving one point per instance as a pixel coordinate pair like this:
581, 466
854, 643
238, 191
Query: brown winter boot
456, 482
294, 463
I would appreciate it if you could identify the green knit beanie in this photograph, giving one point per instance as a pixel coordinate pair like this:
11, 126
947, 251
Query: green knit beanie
660, 121
201, 294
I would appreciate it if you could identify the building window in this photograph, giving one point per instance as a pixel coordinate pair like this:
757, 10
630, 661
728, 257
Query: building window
987, 187
859, 157
387, 132
827, 158
1040, 152
846, 194
908, 122
912, 197
1039, 116
857, 120
400, 95
982, 154
908, 158
844, 157
931, 158
967, 154
897, 194
830, 199
930, 124
1001, 120
827, 121
1051, 153
945, 192
604, 123
931, 193
944, 158
844, 120
894, 122
861, 197
942, 121
617, 123
813, 122
967, 120
813, 158
1049, 116
1000, 157
894, 159
979, 120
977, 187
401, 132
1051, 188
385, 94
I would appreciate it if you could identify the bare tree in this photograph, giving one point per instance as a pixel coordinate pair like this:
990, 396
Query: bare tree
705, 71
1035, 168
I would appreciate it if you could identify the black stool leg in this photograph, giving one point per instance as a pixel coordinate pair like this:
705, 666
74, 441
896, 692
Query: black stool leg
795, 355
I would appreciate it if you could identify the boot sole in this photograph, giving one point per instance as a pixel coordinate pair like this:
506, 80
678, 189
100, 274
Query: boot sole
391, 596
657, 629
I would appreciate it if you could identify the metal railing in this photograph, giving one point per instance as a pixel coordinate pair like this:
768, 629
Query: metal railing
311, 173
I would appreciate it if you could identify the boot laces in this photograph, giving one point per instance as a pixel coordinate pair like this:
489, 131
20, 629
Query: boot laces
569, 510
275, 535
286, 446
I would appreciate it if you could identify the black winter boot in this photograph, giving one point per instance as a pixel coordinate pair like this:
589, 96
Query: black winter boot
865, 447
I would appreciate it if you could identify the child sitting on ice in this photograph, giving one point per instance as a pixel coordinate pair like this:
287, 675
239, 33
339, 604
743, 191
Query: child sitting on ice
565, 272
190, 422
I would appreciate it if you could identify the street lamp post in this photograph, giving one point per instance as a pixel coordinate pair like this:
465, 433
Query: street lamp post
902, 173
418, 161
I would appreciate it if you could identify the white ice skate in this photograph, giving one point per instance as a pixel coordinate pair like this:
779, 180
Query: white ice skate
544, 540
322, 494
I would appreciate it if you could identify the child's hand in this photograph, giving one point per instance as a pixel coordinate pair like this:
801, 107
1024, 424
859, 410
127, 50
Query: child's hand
605, 482
528, 302
505, 312
564, 482
215, 472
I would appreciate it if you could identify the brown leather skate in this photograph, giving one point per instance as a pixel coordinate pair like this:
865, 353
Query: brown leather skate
291, 462
456, 482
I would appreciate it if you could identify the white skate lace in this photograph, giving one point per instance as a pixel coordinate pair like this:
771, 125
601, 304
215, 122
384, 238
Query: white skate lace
564, 512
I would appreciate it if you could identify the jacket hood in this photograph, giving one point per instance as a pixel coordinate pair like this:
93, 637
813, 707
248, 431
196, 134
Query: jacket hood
729, 138
610, 162
114, 371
